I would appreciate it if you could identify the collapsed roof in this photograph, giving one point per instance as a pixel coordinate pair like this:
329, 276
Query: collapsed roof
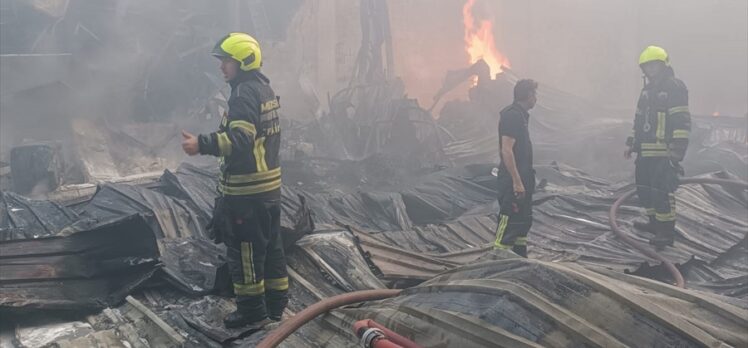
368, 239
394, 200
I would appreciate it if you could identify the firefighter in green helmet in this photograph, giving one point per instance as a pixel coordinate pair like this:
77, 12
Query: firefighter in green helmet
247, 212
660, 138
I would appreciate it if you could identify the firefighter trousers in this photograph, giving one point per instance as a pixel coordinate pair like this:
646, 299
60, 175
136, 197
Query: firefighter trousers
515, 215
656, 182
257, 264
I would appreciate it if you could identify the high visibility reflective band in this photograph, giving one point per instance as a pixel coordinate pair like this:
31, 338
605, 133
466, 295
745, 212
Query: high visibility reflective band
655, 153
224, 144
250, 189
670, 216
661, 126
650, 211
248, 266
521, 241
279, 284
249, 289
503, 222
259, 152
243, 125
681, 134
654, 146
665, 217
254, 177
677, 109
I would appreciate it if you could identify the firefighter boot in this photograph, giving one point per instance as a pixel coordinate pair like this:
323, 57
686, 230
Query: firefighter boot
520, 250
246, 314
648, 226
664, 235
276, 303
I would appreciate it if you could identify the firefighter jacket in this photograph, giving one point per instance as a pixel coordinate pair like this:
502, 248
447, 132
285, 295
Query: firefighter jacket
663, 122
248, 140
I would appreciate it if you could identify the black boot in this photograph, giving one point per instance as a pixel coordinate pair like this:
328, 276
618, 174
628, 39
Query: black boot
664, 235
649, 226
520, 250
277, 316
239, 319
248, 312
276, 303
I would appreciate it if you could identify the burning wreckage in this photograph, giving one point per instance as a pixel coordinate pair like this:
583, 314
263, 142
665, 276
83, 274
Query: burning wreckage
387, 225
132, 264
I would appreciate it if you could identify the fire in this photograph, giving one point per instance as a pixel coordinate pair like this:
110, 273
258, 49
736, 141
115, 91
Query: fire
479, 41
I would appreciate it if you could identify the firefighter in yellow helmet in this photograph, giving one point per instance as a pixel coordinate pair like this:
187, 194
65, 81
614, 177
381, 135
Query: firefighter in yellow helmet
660, 138
246, 215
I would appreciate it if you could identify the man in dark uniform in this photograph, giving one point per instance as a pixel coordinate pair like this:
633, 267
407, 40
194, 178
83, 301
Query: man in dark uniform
660, 137
246, 216
516, 176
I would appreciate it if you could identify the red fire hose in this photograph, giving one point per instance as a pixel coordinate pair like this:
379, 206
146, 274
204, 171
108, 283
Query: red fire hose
394, 340
286, 328
372, 337
679, 281
362, 327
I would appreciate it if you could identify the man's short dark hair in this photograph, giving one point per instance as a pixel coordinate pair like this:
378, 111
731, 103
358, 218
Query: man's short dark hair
524, 89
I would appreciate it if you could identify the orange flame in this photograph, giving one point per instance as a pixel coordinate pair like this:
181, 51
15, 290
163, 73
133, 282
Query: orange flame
479, 41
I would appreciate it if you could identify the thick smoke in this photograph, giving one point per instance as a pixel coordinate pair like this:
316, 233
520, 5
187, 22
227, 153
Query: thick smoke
118, 62
585, 47
137, 60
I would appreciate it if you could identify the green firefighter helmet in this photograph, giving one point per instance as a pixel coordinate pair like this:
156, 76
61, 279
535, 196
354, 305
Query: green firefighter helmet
241, 47
654, 53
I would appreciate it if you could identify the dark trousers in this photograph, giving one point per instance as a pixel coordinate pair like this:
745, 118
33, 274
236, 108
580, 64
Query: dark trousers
656, 182
515, 215
257, 264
